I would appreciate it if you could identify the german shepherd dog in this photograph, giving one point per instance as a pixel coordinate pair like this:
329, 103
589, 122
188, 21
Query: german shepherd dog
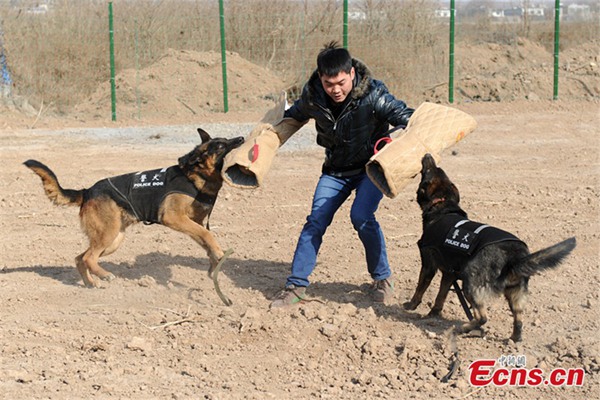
180, 197
488, 261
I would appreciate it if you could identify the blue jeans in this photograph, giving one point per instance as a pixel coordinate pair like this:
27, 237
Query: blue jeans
329, 195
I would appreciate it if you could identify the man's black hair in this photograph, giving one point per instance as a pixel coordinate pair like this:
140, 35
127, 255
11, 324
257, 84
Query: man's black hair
333, 59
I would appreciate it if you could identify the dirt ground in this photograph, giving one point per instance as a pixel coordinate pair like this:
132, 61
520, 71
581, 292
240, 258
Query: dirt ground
160, 331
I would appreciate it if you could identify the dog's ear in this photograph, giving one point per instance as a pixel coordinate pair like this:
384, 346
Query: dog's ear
204, 135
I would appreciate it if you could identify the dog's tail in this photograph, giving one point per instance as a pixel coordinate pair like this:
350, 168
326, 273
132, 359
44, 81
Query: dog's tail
54, 191
547, 258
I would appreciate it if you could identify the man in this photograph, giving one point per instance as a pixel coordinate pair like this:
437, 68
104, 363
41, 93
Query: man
351, 112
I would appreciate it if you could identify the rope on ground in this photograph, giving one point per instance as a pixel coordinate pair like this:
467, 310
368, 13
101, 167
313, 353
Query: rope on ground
224, 298
454, 359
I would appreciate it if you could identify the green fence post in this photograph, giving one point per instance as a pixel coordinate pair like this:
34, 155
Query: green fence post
111, 35
345, 33
223, 57
556, 41
137, 70
451, 55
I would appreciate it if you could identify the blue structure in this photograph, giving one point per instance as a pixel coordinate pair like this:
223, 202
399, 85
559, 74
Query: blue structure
5, 80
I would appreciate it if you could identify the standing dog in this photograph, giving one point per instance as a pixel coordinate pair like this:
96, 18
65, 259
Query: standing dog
488, 260
179, 197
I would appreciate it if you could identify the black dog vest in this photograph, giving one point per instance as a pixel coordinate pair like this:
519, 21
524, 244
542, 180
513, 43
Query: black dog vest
142, 193
457, 239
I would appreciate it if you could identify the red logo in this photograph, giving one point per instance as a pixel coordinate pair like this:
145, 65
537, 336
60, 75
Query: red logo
508, 371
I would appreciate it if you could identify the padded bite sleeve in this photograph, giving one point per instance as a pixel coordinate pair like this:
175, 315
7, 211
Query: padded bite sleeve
247, 166
431, 129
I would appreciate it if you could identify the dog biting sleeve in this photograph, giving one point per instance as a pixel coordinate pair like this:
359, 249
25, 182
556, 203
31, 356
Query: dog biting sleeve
247, 166
431, 129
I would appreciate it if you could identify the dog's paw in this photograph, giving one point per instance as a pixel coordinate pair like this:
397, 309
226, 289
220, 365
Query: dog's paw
409, 305
516, 338
211, 270
464, 328
434, 313
474, 330
108, 277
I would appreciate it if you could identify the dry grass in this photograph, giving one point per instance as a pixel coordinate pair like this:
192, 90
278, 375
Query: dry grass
60, 57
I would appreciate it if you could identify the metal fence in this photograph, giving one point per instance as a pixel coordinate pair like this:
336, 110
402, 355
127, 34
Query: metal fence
58, 50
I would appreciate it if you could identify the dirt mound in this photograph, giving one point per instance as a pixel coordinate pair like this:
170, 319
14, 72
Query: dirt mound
525, 70
185, 84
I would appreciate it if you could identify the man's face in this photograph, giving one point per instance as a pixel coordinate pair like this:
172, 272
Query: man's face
338, 87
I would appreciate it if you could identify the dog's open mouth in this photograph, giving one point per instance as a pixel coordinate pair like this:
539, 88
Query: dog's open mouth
231, 145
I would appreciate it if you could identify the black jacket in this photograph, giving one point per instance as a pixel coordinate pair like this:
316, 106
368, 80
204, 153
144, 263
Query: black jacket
349, 139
